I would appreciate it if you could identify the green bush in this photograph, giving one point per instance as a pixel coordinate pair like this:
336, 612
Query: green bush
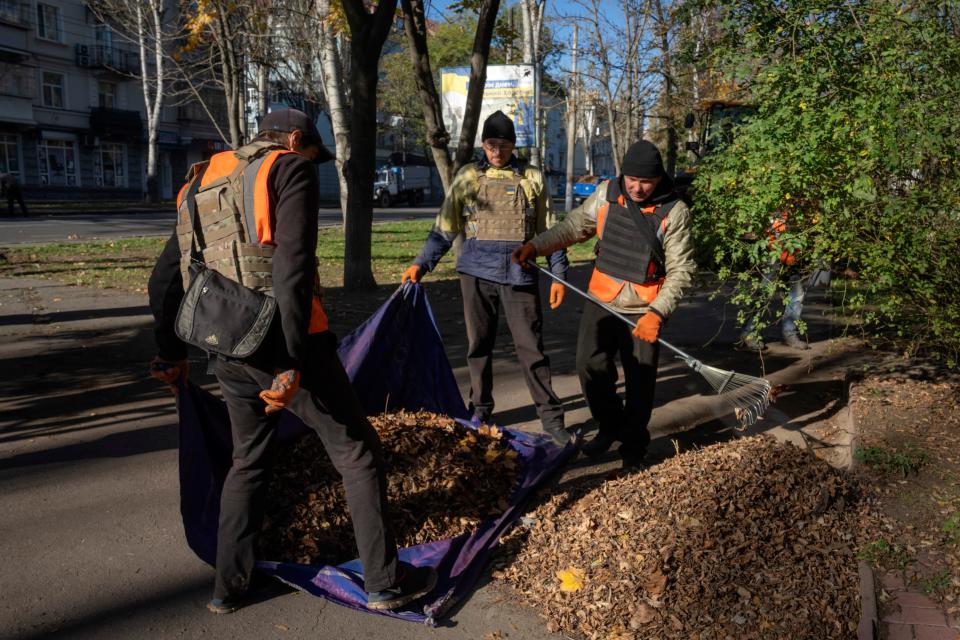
857, 133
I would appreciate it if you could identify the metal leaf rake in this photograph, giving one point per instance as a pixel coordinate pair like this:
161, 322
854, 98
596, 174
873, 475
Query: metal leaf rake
748, 395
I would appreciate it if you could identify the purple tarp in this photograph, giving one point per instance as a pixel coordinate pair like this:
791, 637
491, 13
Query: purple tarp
396, 361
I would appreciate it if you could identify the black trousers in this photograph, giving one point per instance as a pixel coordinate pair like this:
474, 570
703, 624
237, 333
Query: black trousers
602, 337
327, 403
521, 305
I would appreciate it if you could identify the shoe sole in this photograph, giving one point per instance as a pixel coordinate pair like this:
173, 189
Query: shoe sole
391, 605
222, 609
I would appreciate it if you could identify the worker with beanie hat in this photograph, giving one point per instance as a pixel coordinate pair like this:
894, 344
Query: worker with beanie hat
498, 203
644, 262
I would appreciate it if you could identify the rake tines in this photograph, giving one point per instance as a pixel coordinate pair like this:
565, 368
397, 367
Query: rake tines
749, 395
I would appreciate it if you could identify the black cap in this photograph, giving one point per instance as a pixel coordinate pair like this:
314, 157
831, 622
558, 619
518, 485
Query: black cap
642, 160
288, 120
498, 125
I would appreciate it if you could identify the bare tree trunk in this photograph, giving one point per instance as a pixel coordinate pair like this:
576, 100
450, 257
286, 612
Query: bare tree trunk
478, 77
668, 87
263, 90
369, 32
571, 126
532, 22
331, 71
153, 104
438, 138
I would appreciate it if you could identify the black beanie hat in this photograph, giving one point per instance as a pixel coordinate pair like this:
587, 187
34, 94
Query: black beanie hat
498, 125
642, 160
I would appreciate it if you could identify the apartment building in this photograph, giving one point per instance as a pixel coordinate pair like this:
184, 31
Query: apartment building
72, 117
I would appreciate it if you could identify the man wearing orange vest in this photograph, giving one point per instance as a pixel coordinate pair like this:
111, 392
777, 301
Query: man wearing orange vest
252, 215
644, 262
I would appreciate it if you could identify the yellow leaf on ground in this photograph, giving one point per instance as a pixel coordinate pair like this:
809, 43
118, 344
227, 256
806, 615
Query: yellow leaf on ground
571, 579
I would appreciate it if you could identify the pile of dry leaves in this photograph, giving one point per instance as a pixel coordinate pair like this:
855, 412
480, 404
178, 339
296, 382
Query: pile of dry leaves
746, 539
443, 479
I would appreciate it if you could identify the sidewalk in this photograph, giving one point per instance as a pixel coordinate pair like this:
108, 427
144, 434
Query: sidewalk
911, 615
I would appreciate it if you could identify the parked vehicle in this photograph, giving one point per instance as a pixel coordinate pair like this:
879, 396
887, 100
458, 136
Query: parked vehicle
401, 183
584, 187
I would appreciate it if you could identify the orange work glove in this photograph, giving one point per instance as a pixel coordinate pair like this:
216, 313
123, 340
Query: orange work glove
285, 385
414, 274
648, 327
170, 373
557, 293
525, 254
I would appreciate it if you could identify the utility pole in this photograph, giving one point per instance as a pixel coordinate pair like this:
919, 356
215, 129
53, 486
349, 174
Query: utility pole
571, 126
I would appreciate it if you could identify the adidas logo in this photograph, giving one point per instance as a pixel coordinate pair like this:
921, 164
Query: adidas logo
212, 339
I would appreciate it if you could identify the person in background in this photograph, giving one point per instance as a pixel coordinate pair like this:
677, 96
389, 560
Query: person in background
11, 189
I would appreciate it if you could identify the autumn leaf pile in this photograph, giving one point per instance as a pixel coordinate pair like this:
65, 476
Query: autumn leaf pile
746, 539
443, 479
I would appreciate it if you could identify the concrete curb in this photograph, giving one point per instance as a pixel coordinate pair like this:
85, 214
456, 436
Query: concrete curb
869, 627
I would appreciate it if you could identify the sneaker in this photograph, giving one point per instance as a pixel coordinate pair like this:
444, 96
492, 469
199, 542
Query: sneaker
598, 446
413, 583
222, 606
796, 342
561, 437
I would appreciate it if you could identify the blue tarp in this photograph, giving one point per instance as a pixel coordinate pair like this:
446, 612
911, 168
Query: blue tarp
396, 361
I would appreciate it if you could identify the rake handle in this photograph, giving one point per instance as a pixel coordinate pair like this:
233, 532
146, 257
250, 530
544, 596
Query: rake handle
690, 360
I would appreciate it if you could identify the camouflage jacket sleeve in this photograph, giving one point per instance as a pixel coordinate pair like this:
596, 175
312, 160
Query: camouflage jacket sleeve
579, 225
679, 262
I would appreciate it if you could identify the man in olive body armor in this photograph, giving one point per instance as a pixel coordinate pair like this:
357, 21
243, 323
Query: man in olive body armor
498, 202
251, 215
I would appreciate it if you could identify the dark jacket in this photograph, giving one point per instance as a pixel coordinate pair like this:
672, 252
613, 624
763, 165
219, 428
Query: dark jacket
294, 194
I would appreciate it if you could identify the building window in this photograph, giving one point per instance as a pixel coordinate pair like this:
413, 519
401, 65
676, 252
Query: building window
107, 95
108, 167
10, 154
52, 89
58, 163
49, 25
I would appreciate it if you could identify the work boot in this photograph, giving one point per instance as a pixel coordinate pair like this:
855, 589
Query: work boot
412, 583
598, 446
795, 342
633, 455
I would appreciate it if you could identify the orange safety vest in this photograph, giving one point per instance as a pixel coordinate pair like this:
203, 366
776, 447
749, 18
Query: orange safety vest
254, 180
606, 287
777, 227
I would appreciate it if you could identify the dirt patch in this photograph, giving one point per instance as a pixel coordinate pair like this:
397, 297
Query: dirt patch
910, 454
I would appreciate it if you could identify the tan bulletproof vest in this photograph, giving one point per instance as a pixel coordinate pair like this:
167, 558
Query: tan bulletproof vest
227, 219
503, 211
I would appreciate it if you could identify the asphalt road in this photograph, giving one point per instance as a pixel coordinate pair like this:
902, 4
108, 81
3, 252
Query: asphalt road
61, 227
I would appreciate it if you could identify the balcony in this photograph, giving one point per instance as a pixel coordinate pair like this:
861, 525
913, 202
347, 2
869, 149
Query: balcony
15, 14
17, 81
112, 59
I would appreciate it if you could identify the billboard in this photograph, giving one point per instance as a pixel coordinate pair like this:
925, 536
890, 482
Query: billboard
509, 88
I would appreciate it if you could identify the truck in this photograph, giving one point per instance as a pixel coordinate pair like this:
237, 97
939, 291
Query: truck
396, 183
